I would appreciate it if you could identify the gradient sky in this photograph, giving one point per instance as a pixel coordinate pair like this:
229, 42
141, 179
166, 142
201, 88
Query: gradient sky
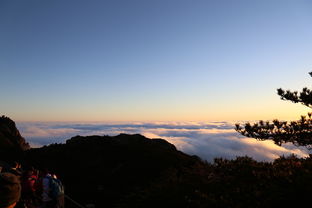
153, 60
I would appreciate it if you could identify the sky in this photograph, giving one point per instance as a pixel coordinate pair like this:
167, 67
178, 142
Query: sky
152, 60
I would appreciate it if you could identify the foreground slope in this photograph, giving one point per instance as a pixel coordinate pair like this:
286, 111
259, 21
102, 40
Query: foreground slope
134, 171
105, 170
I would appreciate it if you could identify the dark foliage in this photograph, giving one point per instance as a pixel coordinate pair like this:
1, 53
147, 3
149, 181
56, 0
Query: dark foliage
297, 132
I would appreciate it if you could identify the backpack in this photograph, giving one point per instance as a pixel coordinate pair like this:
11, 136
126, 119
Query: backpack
56, 188
28, 184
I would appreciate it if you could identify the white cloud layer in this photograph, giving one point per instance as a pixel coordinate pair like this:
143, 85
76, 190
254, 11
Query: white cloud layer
207, 140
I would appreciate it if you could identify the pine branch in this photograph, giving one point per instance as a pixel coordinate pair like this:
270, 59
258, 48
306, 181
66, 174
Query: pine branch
304, 97
297, 132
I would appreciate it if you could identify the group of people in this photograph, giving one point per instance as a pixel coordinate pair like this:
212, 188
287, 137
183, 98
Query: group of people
30, 188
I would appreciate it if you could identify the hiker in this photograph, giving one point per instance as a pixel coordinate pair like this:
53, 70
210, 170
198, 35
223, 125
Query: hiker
53, 191
16, 169
47, 201
38, 186
57, 191
28, 182
10, 190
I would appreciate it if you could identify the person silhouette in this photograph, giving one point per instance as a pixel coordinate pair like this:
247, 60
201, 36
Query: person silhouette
10, 190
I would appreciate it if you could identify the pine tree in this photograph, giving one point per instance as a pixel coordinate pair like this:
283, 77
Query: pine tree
297, 132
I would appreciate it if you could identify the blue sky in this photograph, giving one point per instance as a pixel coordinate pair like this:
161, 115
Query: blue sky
152, 60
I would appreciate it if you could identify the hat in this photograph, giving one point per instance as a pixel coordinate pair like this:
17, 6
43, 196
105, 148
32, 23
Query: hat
10, 189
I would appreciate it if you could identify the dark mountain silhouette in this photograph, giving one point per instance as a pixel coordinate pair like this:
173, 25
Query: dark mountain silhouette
12, 143
104, 170
134, 171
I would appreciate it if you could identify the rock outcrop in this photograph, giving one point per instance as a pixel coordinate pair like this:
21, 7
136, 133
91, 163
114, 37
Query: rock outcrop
11, 140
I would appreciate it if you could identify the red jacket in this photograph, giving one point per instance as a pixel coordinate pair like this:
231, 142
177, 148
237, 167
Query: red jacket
28, 183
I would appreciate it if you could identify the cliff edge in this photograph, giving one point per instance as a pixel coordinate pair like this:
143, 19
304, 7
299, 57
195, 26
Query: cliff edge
11, 141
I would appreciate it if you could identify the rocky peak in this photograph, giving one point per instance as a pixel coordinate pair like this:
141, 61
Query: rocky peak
10, 137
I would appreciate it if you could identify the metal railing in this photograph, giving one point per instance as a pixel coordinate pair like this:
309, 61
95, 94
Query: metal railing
73, 201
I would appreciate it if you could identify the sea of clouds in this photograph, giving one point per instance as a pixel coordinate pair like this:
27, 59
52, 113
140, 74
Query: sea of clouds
207, 140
